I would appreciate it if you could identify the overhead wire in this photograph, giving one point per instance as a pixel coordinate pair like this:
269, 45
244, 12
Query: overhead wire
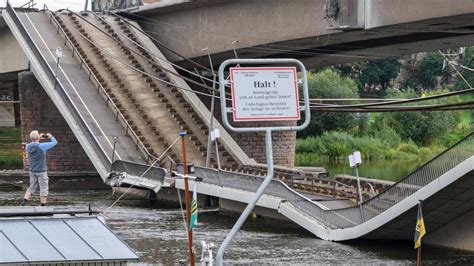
161, 44
315, 107
143, 72
455, 69
138, 53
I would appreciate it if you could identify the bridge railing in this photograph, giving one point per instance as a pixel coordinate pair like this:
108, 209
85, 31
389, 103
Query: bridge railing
140, 170
436, 167
251, 183
55, 80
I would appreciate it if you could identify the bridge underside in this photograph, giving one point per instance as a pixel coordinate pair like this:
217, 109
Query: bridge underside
441, 211
282, 29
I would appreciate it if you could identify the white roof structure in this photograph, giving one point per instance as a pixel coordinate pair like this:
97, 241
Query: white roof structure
68, 239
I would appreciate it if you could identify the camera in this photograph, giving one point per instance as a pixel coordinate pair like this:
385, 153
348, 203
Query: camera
44, 136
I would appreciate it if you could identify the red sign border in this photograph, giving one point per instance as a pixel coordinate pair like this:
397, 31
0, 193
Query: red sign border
249, 119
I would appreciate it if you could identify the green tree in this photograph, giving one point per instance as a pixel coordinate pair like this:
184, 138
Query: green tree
329, 84
427, 71
423, 128
380, 71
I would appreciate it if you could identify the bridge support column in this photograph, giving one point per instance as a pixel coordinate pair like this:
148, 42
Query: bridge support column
38, 112
284, 142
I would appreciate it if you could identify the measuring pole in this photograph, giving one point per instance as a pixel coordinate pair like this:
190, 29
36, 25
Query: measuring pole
186, 191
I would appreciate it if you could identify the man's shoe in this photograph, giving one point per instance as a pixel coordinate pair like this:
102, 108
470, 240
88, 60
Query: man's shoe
23, 202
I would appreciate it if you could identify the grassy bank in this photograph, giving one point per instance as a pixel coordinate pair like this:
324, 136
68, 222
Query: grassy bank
336, 146
10, 148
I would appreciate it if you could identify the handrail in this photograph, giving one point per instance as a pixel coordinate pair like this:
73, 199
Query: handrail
334, 183
421, 167
276, 188
430, 171
350, 216
109, 101
50, 73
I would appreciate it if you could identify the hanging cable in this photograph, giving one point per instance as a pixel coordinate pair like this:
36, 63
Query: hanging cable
314, 106
160, 43
142, 72
146, 171
139, 54
455, 69
438, 96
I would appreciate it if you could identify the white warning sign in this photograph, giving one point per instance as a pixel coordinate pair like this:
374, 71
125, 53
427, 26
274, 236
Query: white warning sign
264, 93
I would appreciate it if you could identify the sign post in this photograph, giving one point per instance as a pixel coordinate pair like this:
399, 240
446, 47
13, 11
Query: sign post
262, 94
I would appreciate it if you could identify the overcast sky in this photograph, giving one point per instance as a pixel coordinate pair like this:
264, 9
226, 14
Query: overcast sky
74, 5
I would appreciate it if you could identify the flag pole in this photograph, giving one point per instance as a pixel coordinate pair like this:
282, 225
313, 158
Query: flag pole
420, 231
418, 257
186, 191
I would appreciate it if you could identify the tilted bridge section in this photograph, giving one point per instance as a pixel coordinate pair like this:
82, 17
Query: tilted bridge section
444, 184
125, 102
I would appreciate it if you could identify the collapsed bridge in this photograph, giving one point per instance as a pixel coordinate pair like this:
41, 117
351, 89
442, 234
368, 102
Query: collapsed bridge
125, 104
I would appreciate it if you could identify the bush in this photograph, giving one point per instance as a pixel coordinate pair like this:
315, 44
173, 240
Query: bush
329, 84
408, 147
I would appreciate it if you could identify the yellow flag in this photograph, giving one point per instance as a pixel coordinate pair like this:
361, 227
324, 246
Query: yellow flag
420, 230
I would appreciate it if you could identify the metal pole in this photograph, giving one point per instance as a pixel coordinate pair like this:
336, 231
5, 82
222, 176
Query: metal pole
213, 99
253, 200
359, 191
211, 126
56, 72
418, 257
186, 191
113, 154
219, 174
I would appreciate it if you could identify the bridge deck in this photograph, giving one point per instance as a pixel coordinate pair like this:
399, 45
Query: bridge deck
76, 82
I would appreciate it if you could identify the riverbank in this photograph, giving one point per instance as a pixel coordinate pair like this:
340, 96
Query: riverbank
18, 179
10, 148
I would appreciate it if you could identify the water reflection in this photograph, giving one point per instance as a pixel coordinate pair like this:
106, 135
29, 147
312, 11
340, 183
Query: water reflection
156, 232
391, 170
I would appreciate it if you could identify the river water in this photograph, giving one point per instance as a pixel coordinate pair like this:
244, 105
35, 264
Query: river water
156, 232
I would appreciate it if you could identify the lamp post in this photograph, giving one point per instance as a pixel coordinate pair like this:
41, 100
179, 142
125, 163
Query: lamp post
355, 160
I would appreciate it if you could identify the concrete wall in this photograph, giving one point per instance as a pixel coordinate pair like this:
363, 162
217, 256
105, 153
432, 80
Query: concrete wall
458, 234
38, 112
265, 28
12, 57
381, 13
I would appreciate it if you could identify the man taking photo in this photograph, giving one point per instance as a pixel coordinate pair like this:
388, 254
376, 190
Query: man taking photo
38, 166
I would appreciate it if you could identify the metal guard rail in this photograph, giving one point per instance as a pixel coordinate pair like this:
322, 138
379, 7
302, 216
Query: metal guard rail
50, 73
276, 188
351, 216
298, 175
107, 98
439, 165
